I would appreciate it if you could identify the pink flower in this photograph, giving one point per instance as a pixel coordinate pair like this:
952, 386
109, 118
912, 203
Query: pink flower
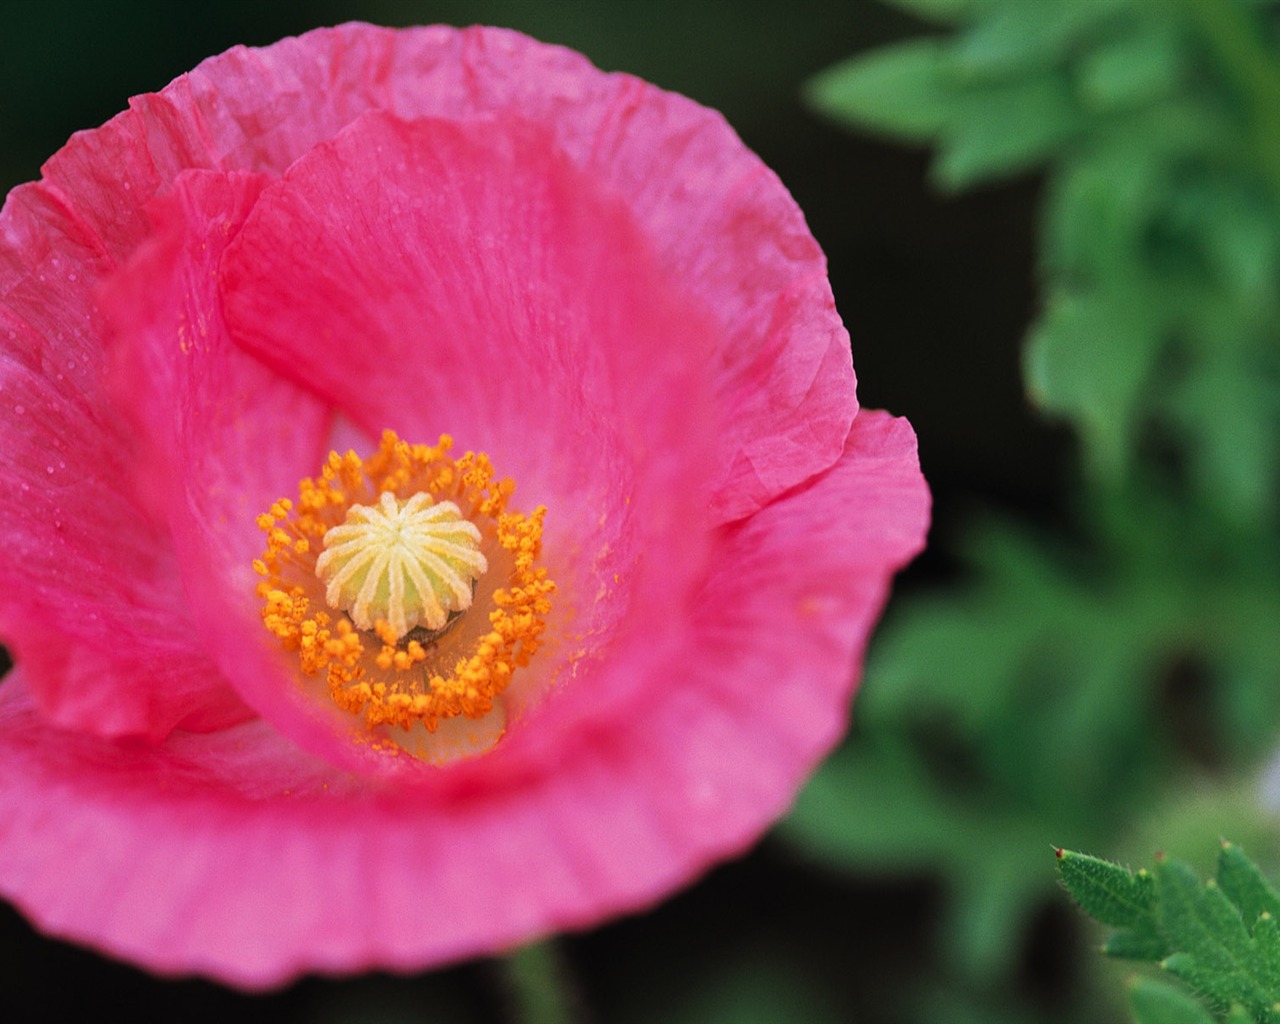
592, 281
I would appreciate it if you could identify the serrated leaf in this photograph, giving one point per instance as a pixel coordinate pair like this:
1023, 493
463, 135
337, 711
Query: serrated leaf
1153, 1002
1142, 943
1109, 892
1243, 883
1266, 936
904, 90
1210, 983
1215, 954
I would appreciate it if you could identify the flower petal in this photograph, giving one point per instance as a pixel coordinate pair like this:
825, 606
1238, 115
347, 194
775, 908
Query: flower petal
776, 635
717, 217
513, 306
223, 436
589, 277
237, 855
712, 212
90, 601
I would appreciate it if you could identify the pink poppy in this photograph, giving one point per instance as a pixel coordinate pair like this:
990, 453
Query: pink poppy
593, 282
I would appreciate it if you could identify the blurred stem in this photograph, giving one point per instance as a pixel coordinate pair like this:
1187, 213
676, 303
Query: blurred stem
540, 991
1233, 32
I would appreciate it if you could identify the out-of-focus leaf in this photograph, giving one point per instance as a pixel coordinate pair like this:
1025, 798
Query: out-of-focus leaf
946, 1006
851, 812
1066, 689
904, 89
1189, 819
756, 996
1130, 70
1029, 705
1155, 124
1014, 37
1074, 337
1006, 129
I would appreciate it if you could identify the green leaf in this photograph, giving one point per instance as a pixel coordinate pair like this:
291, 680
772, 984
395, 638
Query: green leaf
1153, 1002
1209, 946
1156, 125
1109, 892
1014, 37
850, 813
1028, 704
1132, 70
1215, 953
1266, 935
1076, 335
1142, 943
1006, 129
1243, 883
903, 89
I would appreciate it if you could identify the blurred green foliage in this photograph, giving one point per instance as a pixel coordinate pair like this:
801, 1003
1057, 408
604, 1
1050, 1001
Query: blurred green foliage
1092, 683
1160, 248
1033, 704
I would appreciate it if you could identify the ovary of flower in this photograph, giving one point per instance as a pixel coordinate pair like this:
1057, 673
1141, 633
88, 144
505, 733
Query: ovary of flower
407, 563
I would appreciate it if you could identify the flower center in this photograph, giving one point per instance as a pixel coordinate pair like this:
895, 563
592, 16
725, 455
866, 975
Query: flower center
403, 583
406, 562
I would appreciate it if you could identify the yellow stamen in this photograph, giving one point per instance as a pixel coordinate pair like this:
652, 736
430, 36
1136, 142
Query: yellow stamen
369, 579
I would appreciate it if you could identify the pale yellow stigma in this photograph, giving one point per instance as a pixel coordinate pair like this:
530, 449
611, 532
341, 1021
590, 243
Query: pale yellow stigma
408, 563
